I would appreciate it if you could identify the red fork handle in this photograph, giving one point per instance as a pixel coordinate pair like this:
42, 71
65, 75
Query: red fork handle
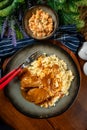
7, 75
7, 78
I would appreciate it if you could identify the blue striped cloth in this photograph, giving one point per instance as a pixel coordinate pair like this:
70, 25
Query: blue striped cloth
66, 34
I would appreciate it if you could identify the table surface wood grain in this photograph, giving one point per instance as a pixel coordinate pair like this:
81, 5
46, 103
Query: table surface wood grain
75, 118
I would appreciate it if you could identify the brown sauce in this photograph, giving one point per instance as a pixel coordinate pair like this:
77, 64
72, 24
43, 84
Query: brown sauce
38, 90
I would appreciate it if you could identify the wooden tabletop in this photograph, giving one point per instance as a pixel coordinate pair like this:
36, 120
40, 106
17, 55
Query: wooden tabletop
75, 118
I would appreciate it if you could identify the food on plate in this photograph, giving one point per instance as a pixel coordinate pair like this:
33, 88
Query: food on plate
41, 23
46, 80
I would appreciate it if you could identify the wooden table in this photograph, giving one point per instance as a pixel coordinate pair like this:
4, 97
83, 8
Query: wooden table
75, 118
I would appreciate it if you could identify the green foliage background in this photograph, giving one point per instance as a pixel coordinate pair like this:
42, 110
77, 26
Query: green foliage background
68, 10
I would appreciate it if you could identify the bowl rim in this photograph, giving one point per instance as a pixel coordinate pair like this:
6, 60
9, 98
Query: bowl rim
35, 7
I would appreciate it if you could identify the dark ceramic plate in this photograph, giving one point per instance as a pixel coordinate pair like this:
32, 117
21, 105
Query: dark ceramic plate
13, 89
28, 14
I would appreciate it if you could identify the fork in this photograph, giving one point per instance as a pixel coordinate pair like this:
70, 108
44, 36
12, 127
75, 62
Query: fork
12, 74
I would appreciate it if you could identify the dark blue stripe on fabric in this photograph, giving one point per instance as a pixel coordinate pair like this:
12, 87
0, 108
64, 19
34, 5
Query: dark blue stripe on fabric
20, 45
71, 46
4, 42
67, 27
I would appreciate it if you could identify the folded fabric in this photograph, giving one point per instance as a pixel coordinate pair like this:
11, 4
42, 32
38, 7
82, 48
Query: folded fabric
67, 35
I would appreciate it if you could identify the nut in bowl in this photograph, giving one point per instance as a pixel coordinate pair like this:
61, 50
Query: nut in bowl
40, 22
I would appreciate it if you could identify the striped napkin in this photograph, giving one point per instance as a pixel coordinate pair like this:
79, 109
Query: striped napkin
67, 35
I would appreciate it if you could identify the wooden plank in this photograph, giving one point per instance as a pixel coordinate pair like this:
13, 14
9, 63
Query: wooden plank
17, 120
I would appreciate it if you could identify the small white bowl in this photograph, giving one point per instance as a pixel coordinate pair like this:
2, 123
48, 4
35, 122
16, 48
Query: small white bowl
85, 68
83, 51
